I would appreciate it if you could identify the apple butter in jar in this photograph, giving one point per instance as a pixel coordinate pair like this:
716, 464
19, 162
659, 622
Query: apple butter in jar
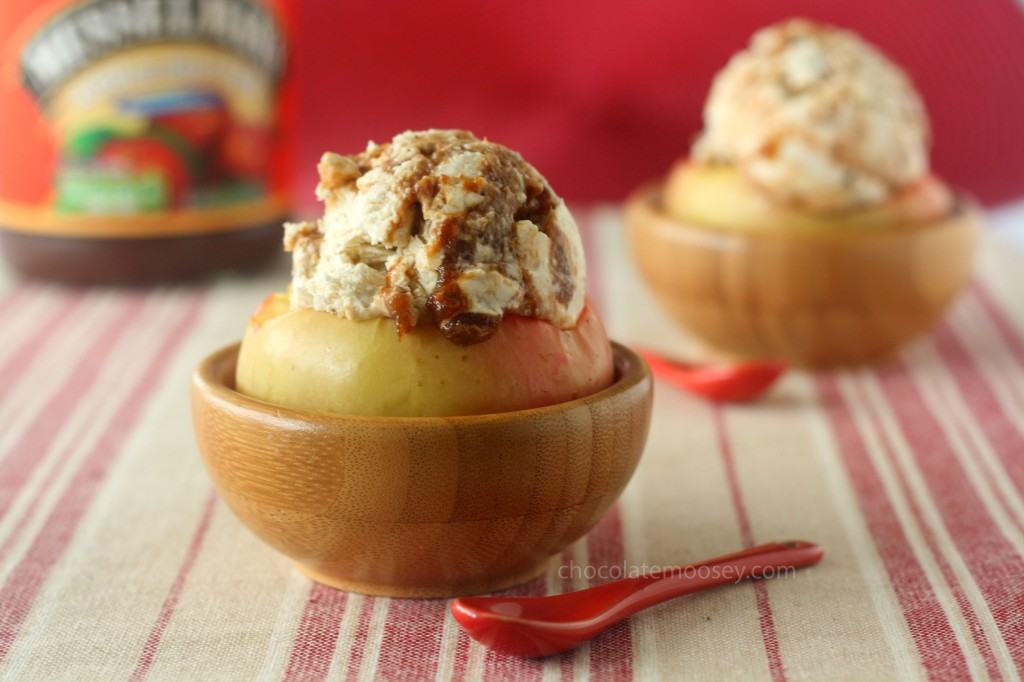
142, 140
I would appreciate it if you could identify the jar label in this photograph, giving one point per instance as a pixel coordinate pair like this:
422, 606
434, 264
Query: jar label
136, 118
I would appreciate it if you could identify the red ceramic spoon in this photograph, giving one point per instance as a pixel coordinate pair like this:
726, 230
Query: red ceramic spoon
737, 382
541, 626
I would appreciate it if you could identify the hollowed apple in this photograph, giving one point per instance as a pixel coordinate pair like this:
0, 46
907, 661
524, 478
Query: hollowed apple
314, 360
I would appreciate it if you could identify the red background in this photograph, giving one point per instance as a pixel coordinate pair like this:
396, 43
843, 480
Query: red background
602, 96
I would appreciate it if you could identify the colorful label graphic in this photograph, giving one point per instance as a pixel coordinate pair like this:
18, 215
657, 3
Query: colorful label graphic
151, 117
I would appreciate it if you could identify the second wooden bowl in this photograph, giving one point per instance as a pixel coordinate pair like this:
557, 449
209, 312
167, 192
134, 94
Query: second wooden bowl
421, 507
816, 298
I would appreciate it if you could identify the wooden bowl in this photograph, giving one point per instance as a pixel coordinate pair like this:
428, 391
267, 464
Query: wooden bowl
421, 506
816, 298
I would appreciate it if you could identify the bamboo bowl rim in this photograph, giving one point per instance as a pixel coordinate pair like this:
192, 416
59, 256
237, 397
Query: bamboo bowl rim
215, 377
647, 202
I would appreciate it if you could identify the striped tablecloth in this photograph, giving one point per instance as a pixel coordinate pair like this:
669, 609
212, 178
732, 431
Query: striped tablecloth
117, 560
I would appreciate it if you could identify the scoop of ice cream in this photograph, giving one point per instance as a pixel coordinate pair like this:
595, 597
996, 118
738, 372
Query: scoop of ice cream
817, 117
438, 227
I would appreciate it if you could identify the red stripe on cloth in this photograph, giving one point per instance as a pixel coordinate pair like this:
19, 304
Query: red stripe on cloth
461, 661
362, 633
23, 585
21, 358
567, 665
611, 654
997, 567
15, 296
764, 608
567, 660
156, 633
929, 627
1002, 434
411, 644
1010, 333
27, 452
317, 635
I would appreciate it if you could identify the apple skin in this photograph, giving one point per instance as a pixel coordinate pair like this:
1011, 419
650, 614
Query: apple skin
720, 196
313, 360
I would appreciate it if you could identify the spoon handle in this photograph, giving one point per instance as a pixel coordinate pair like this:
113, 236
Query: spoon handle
774, 559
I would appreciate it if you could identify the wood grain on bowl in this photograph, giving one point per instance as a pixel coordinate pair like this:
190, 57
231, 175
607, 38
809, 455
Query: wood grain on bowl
421, 506
816, 298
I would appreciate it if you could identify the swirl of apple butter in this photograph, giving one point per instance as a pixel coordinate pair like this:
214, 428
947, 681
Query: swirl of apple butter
438, 227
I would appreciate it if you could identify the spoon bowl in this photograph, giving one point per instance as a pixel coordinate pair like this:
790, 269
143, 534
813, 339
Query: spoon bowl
735, 382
